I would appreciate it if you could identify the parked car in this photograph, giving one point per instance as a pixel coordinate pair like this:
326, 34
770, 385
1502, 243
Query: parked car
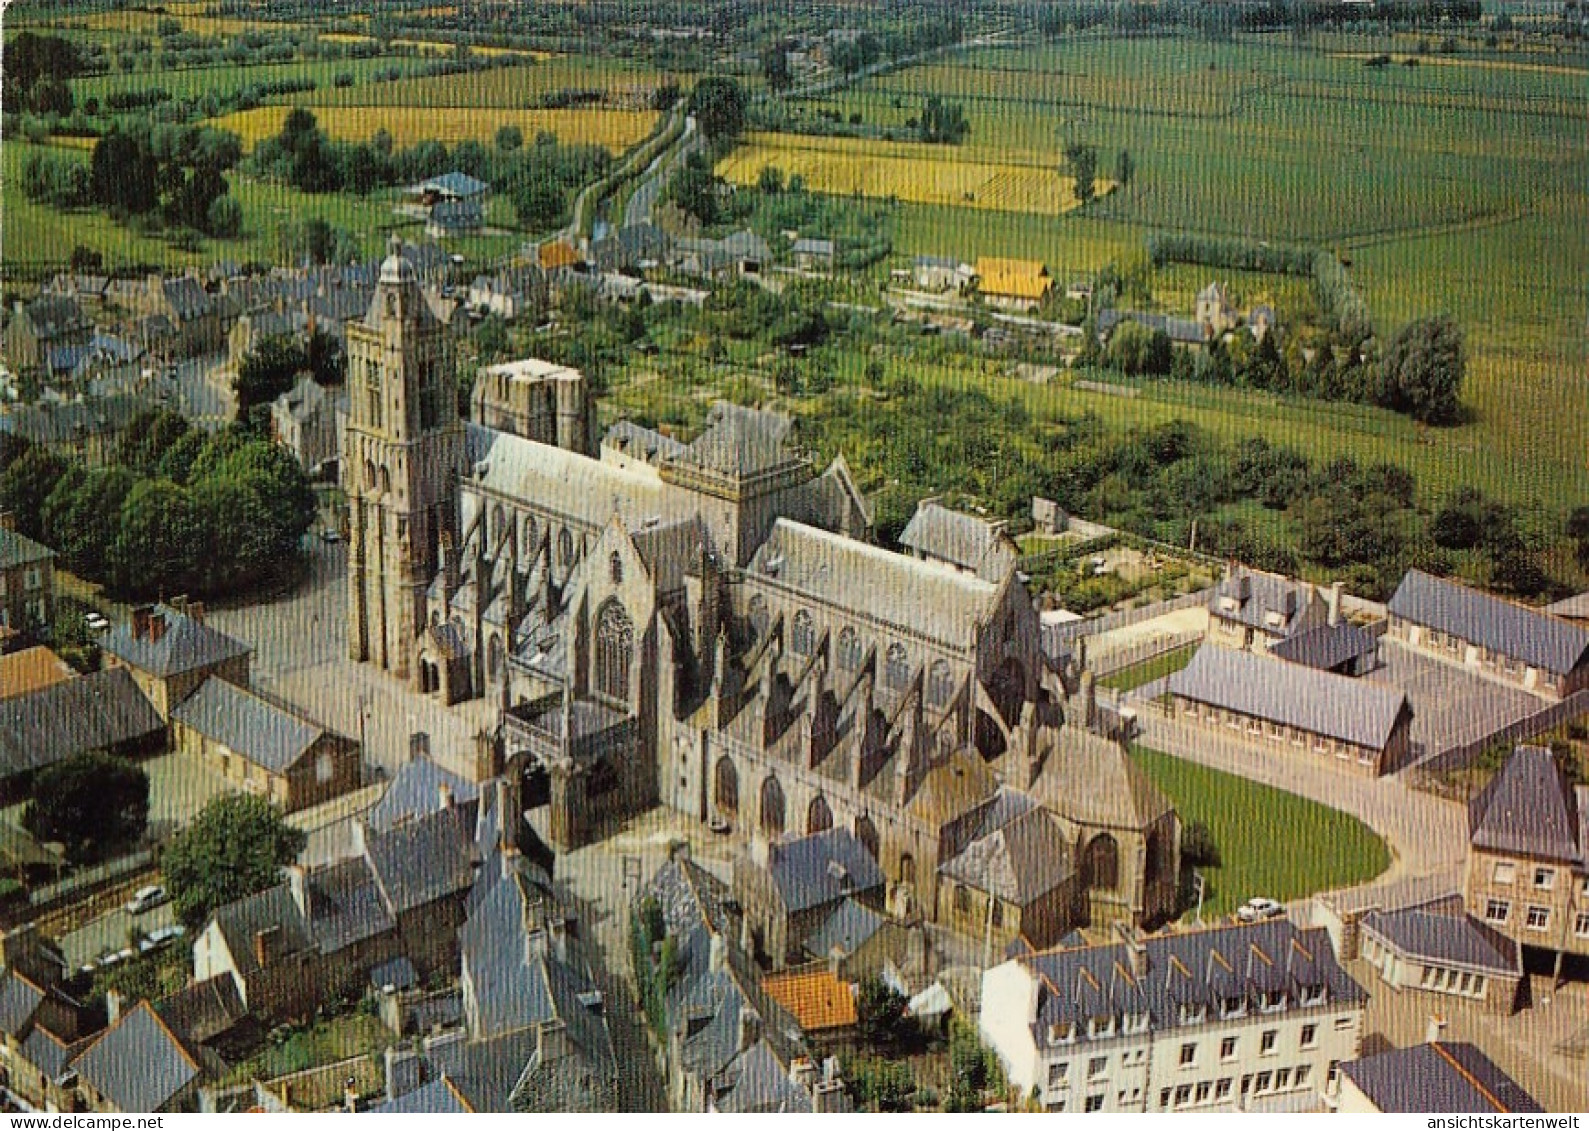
331, 536
1259, 908
146, 899
97, 622
161, 936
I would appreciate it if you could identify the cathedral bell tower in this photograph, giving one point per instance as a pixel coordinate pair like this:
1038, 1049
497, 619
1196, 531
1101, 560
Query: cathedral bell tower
402, 454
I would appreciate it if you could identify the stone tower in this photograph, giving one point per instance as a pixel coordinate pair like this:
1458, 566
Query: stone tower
403, 452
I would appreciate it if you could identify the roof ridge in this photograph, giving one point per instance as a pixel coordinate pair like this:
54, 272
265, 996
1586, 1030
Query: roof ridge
1462, 1071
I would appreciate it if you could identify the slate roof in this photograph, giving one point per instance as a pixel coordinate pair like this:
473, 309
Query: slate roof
822, 868
1438, 1078
1325, 646
645, 443
265, 734
68, 422
416, 789
1538, 639
47, 1052
138, 1064
1335, 706
741, 441
241, 920
95, 712
186, 646
1266, 594
345, 905
453, 184
187, 297
19, 1000
847, 930
439, 1097
1436, 937
1197, 968
54, 315
953, 536
823, 248
1529, 809
1184, 330
1019, 863
1576, 607
909, 595
1095, 781
456, 215
19, 550
420, 861
203, 1010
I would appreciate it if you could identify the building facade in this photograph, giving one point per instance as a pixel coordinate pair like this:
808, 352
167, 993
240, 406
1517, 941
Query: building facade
27, 584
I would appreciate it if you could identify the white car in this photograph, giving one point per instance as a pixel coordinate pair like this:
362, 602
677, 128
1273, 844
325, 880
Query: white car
146, 899
161, 936
96, 622
1259, 908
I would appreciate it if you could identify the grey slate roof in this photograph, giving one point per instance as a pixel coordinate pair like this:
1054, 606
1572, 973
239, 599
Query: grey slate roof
1350, 710
453, 184
204, 1010
822, 868
1529, 809
138, 1064
646, 443
187, 297
1538, 639
416, 789
56, 422
1019, 863
93, 712
812, 247
741, 441
19, 999
1438, 1078
249, 726
18, 550
456, 215
848, 929
240, 921
47, 1052
1326, 646
345, 905
439, 1097
1266, 594
1576, 607
1438, 937
1196, 968
1096, 781
423, 860
185, 646
953, 536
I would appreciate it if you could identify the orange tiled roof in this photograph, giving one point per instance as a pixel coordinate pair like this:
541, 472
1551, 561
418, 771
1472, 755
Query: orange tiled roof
32, 669
817, 998
558, 253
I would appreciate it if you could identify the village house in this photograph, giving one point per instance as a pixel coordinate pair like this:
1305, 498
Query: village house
27, 584
940, 273
821, 1002
1352, 723
193, 323
1522, 646
510, 294
1246, 1018
1528, 855
1253, 610
1436, 949
139, 1066
793, 887
85, 429
1017, 284
307, 420
453, 218
1438, 1078
260, 748
48, 322
104, 710
974, 545
813, 254
40, 1030
170, 651
1214, 311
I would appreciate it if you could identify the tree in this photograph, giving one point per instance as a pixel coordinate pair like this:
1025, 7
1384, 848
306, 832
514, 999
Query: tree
1198, 847
718, 104
509, 138
26, 484
694, 189
235, 847
1578, 531
1125, 168
325, 359
775, 67
266, 372
537, 198
1423, 369
770, 180
943, 122
122, 174
1081, 161
162, 540
880, 1012
491, 338
91, 803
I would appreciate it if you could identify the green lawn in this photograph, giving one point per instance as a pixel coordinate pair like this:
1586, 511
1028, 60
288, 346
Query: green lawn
1133, 677
1271, 842
325, 1042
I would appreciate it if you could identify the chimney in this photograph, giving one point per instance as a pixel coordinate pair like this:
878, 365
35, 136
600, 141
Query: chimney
444, 795
267, 942
178, 604
113, 1006
749, 1026
140, 621
718, 953
298, 882
1436, 1030
157, 627
803, 1073
1089, 700
1332, 602
350, 1097
196, 611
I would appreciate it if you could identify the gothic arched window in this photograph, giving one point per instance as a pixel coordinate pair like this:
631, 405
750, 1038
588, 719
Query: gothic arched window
759, 618
494, 655
499, 525
818, 816
1101, 866
614, 650
849, 649
940, 683
896, 671
772, 806
565, 548
803, 636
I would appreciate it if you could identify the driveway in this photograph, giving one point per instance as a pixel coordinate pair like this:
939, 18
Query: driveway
1450, 704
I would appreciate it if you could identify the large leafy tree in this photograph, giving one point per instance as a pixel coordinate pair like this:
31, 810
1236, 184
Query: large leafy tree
235, 847
27, 482
82, 516
163, 542
718, 104
1423, 369
266, 372
90, 803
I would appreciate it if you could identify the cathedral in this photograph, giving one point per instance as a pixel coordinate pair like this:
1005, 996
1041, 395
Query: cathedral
708, 626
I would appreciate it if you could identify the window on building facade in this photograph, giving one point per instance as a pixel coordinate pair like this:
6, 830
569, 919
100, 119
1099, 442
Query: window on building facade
1497, 911
1183, 1094
1188, 1055
1200, 1096
1333, 1076
1282, 1079
803, 634
760, 618
1095, 1103
1057, 1073
849, 650
1227, 1049
1538, 918
615, 568
1505, 872
1544, 878
565, 548
1222, 1088
1303, 1072
1266, 1042
324, 768
1261, 1082
614, 650
1581, 926
1309, 1036
896, 670
940, 683
1097, 1066
962, 900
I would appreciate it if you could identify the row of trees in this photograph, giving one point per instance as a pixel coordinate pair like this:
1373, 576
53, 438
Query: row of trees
179, 511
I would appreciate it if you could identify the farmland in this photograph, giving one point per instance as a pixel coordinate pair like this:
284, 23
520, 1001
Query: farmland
518, 87
925, 174
615, 130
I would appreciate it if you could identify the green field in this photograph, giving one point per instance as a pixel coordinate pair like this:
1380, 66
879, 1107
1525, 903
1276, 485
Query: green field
192, 82
1332, 849
1133, 677
518, 87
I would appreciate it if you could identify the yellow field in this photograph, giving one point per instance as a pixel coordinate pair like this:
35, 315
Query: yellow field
72, 141
910, 171
614, 130
142, 22
433, 46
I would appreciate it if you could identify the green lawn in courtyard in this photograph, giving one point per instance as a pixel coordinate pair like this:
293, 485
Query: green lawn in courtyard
1132, 677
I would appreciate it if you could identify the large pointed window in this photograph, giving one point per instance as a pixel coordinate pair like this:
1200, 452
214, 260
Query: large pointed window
803, 637
614, 650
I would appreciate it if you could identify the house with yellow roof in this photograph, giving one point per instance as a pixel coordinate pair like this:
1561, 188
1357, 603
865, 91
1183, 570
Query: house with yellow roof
1017, 283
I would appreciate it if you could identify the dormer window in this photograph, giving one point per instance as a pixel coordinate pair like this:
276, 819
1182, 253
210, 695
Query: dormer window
1192, 1013
1103, 1026
1061, 1033
1311, 995
1271, 1000
1233, 1007
1138, 1022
